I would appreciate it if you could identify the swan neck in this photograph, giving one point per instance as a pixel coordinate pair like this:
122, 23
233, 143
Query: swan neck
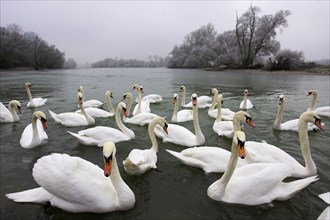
29, 93
89, 119
279, 116
107, 98
151, 132
183, 100
119, 122
198, 131
35, 132
12, 110
245, 102
219, 112
214, 101
236, 124
305, 146
231, 165
129, 104
139, 102
313, 103
175, 111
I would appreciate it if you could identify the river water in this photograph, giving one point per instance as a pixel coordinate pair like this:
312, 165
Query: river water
174, 190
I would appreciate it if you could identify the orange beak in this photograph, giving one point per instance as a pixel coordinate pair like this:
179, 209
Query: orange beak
174, 101
241, 150
318, 124
125, 113
194, 102
165, 128
107, 167
44, 123
19, 109
249, 121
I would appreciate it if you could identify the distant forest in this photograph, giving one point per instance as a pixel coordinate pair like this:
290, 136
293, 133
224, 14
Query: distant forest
29, 50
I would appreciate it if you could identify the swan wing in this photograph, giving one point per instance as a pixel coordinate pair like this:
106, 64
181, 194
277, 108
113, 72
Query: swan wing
325, 197
5, 115
69, 119
152, 98
176, 134
185, 115
224, 128
145, 107
323, 111
76, 184
92, 103
142, 118
96, 112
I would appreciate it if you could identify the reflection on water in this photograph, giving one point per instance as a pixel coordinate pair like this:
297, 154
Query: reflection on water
173, 190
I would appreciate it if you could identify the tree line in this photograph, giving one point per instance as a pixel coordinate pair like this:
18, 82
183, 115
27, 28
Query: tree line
252, 44
153, 61
28, 49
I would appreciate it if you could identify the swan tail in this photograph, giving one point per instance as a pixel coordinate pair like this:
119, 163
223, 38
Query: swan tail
85, 140
291, 188
54, 116
36, 195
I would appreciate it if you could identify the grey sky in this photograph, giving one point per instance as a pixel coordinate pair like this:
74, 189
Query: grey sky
88, 31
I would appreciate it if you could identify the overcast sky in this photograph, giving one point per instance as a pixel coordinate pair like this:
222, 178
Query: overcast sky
89, 31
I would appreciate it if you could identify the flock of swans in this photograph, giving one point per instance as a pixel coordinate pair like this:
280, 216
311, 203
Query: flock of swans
76, 185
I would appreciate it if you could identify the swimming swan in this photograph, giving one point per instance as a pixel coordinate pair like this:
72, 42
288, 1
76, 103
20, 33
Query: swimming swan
10, 114
142, 106
90, 103
100, 134
34, 134
33, 102
325, 215
182, 136
100, 113
72, 119
291, 125
76, 185
254, 184
203, 101
182, 115
226, 113
246, 103
321, 111
139, 161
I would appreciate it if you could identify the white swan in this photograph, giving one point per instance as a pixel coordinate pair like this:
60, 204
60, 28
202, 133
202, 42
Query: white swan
77, 185
151, 98
100, 134
71, 119
226, 113
227, 128
321, 111
142, 118
203, 101
10, 114
34, 134
254, 184
211, 159
264, 152
142, 106
100, 113
33, 102
181, 135
90, 103
325, 215
246, 103
182, 115
291, 125
139, 161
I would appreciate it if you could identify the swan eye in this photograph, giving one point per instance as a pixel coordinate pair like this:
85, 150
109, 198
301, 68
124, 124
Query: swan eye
317, 119
108, 159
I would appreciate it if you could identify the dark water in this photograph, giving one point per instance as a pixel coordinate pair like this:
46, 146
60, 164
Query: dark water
174, 190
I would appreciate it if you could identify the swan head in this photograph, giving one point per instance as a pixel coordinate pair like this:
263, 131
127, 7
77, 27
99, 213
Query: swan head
312, 92
213, 91
108, 93
28, 85
127, 96
141, 89
194, 99
313, 118
109, 152
41, 116
239, 140
220, 99
81, 89
80, 98
16, 104
245, 92
175, 98
244, 116
281, 99
136, 86
182, 88
162, 122
122, 107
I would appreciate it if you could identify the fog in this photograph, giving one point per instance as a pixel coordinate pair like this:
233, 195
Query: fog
89, 31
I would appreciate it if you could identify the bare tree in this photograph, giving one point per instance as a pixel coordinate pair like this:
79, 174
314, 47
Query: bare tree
256, 35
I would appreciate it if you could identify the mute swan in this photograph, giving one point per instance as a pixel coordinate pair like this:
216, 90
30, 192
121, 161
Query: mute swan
227, 128
100, 134
10, 114
291, 125
76, 185
325, 215
211, 159
151, 98
264, 152
142, 106
33, 102
203, 101
252, 184
139, 161
182, 115
100, 113
71, 119
246, 103
34, 134
226, 113
181, 135
321, 111
90, 103
142, 118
